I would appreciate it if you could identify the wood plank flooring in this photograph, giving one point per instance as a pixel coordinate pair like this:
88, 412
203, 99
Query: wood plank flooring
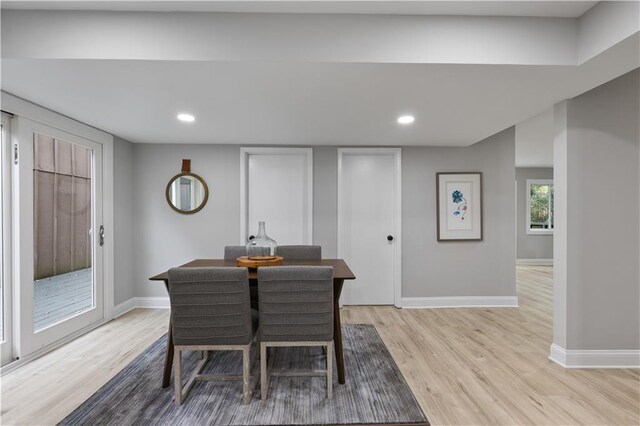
490, 366
465, 366
46, 390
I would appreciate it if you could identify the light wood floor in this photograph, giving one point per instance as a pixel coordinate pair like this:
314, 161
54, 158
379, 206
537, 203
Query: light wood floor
465, 366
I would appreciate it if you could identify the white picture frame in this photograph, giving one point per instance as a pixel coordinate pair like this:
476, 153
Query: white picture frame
459, 206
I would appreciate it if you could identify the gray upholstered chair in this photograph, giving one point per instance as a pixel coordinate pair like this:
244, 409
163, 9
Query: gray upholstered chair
234, 252
296, 309
210, 310
299, 252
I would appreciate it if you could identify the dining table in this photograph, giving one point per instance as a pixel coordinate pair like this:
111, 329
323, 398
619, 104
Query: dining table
341, 272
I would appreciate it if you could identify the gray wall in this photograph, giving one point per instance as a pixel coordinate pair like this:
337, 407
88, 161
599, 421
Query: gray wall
123, 184
325, 200
485, 268
164, 238
531, 246
602, 214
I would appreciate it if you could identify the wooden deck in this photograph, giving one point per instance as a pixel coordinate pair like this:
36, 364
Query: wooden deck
59, 297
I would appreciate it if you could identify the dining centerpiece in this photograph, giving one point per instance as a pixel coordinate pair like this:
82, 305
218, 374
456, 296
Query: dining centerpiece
261, 245
261, 250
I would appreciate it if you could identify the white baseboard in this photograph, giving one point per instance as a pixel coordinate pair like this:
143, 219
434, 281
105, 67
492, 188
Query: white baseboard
460, 302
407, 302
594, 358
534, 262
141, 302
124, 307
153, 302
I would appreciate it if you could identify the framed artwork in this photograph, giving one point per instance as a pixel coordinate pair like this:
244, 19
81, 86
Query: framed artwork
459, 206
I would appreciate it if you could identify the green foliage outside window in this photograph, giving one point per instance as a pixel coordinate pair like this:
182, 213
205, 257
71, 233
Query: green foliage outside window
541, 201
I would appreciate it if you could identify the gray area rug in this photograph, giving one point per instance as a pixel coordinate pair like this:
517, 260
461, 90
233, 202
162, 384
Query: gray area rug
374, 393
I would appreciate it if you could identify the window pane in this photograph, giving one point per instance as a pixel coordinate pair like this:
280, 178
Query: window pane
63, 272
551, 202
540, 206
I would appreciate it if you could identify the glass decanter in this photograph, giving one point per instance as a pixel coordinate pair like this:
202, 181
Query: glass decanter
261, 245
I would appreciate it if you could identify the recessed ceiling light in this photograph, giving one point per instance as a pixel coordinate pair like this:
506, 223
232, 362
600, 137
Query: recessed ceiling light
406, 119
187, 118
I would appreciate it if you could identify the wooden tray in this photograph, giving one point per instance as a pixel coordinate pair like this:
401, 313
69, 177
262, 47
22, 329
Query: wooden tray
258, 261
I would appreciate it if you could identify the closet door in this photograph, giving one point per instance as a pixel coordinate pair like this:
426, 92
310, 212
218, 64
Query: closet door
369, 224
277, 188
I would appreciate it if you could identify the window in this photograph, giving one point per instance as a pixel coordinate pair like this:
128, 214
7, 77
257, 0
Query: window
540, 206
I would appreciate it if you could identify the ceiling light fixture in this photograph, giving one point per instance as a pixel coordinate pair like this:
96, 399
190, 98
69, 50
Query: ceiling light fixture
406, 119
187, 118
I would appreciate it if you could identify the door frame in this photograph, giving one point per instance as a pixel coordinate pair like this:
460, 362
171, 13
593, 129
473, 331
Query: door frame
397, 172
22, 108
244, 184
27, 338
6, 346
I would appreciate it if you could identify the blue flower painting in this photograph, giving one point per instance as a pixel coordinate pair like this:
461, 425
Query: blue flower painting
461, 209
459, 205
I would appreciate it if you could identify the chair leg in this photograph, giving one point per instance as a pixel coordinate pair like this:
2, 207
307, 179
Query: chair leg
177, 368
264, 385
246, 366
330, 370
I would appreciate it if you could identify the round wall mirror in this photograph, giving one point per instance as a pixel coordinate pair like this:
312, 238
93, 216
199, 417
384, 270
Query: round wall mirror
187, 193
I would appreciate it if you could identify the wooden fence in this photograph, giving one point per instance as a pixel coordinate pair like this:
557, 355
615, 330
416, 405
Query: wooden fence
62, 207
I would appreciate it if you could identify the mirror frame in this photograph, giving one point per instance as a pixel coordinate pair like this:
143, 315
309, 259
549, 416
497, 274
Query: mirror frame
204, 201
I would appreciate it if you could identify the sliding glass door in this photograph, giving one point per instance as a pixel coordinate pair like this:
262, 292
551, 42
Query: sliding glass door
60, 234
6, 310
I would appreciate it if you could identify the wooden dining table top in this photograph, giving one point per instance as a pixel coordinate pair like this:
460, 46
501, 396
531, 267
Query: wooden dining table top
340, 268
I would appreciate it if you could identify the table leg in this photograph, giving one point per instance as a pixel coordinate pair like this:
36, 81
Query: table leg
168, 358
337, 329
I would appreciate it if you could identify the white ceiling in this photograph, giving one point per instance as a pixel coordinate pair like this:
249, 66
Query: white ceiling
301, 103
564, 9
309, 79
534, 141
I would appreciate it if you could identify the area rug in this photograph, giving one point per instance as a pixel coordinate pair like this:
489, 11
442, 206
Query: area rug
375, 393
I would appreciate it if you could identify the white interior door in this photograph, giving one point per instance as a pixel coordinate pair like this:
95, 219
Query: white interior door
57, 211
277, 186
369, 224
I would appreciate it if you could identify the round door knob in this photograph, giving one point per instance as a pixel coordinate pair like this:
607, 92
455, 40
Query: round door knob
390, 237
251, 237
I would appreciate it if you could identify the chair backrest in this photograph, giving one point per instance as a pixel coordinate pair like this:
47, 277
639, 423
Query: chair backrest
296, 303
234, 252
299, 252
210, 306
